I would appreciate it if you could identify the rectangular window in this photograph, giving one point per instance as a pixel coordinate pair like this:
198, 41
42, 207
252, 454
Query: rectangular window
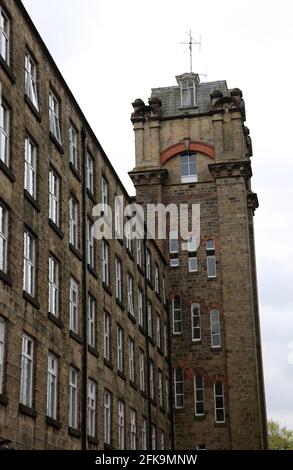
131, 359
152, 381
188, 168
107, 417
90, 244
31, 88
174, 262
27, 367
143, 434
120, 348
198, 395
119, 217
3, 237
141, 371
139, 252
192, 264
53, 286
128, 236
154, 432
148, 265
158, 331
73, 147
187, 93
73, 374
118, 279
73, 302
52, 386
167, 395
219, 402
150, 319
121, 425
54, 116
2, 352
140, 307
162, 440
215, 328
30, 167
105, 195
106, 269
73, 222
91, 322
173, 241
177, 316
164, 291
54, 197
195, 322
179, 387
4, 134
90, 164
160, 387
92, 408
29, 265
5, 36
165, 340
157, 280
107, 325
132, 430
211, 259
130, 294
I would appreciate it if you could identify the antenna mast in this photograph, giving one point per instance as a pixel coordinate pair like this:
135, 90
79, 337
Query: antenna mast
191, 43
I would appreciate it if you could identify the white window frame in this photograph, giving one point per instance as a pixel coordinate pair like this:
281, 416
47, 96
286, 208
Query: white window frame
107, 417
174, 262
220, 396
5, 37
119, 217
158, 331
30, 167
90, 172
91, 322
167, 395
107, 339
73, 145
140, 307
157, 280
128, 235
130, 303
2, 352
164, 290
4, 133
186, 85
211, 259
92, 408
54, 197
118, 279
54, 116
121, 425
131, 364
73, 398
27, 371
177, 322
52, 386
160, 388
142, 370
190, 177
165, 340
31, 88
198, 391
152, 380
54, 269
215, 325
143, 434
73, 222
29, 266
150, 319
73, 306
132, 429
192, 264
162, 440
3, 237
105, 260
154, 437
173, 242
195, 322
139, 252
148, 265
90, 244
178, 383
120, 351
105, 195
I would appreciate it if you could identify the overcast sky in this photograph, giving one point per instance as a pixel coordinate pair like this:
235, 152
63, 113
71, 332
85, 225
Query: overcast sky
111, 52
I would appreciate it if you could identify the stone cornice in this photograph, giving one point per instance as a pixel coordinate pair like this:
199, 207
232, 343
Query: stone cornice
145, 176
252, 201
231, 169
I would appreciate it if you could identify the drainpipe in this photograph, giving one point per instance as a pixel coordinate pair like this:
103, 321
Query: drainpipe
147, 341
170, 378
84, 295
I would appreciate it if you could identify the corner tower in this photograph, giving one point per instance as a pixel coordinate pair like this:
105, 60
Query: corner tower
192, 146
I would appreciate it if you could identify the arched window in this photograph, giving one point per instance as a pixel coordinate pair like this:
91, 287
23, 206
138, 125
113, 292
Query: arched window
198, 395
219, 402
188, 168
215, 328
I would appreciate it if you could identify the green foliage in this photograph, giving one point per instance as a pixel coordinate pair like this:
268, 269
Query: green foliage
280, 438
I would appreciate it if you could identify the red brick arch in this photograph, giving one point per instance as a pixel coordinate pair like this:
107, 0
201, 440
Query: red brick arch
201, 147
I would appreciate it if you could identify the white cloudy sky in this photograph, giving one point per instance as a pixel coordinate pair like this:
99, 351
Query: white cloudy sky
111, 52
